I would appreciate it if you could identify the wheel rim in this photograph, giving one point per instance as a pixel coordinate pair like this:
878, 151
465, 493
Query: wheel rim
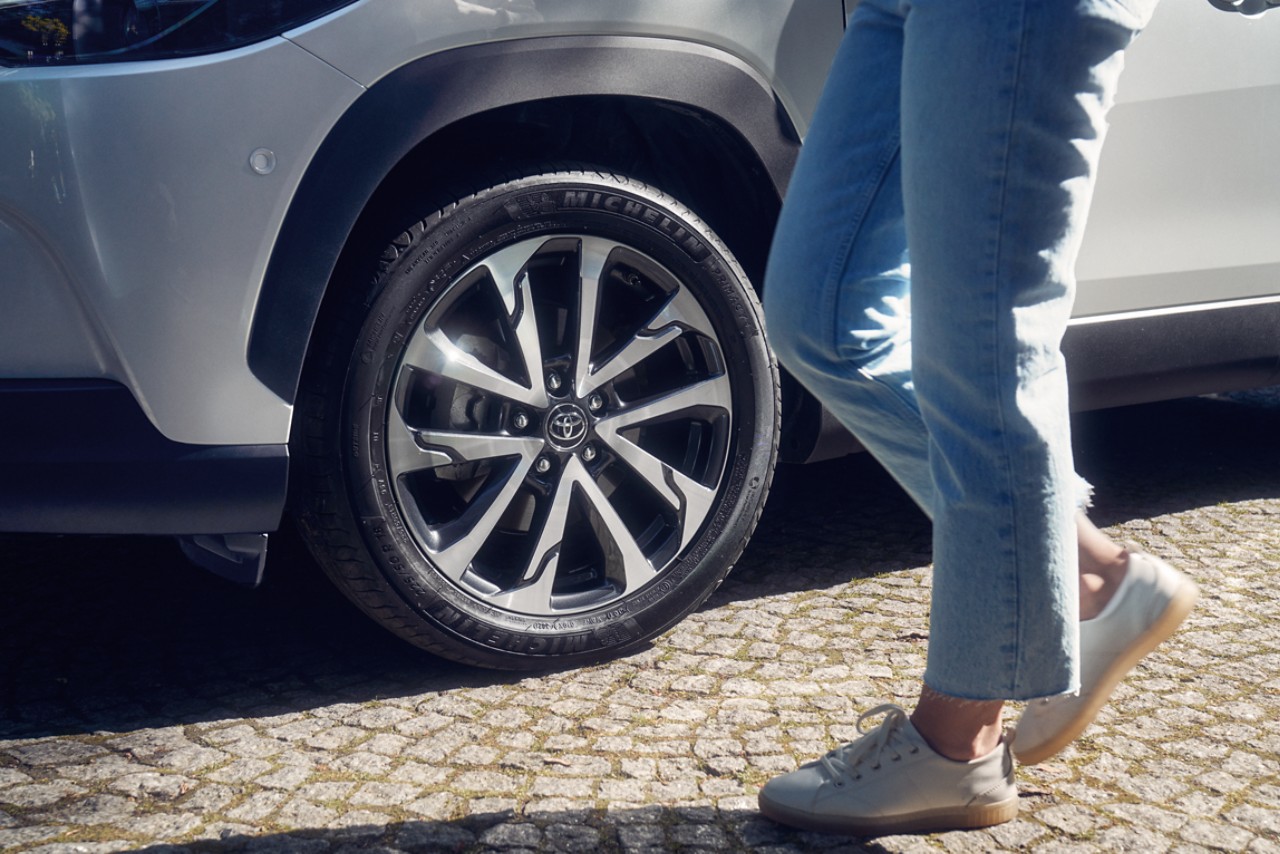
559, 425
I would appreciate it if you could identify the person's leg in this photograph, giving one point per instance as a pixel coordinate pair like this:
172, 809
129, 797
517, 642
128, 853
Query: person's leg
1103, 563
968, 729
836, 293
837, 296
997, 172
1130, 602
995, 211
1002, 122
836, 306
958, 729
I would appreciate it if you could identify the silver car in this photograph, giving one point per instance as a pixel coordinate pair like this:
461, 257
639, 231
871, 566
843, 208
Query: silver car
467, 288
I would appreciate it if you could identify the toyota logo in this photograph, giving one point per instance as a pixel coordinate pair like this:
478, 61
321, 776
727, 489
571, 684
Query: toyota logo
567, 425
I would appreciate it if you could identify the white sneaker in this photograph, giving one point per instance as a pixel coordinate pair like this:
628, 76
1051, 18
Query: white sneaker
1152, 600
891, 781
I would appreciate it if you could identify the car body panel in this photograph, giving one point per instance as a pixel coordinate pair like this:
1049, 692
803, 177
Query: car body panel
160, 261
1199, 99
1187, 208
789, 42
135, 267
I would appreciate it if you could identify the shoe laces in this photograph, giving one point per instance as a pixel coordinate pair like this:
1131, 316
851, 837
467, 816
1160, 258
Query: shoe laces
886, 739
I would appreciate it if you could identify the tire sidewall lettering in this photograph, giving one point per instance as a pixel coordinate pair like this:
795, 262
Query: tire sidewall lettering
415, 282
648, 214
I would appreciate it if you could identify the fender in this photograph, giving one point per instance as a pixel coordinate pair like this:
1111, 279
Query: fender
412, 103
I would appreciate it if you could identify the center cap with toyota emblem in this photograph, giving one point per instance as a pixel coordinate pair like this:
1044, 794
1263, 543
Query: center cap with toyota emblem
567, 426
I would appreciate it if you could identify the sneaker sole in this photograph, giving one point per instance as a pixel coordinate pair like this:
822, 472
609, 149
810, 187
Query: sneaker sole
1179, 607
922, 821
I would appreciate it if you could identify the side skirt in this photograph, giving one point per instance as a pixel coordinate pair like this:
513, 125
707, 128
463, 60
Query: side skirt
81, 457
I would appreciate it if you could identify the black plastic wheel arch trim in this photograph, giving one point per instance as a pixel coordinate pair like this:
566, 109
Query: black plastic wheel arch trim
81, 457
414, 102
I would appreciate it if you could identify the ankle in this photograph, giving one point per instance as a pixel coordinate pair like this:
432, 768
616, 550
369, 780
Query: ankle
1099, 583
958, 729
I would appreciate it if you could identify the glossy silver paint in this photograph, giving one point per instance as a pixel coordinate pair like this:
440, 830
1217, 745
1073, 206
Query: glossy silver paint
135, 232
789, 42
1187, 209
141, 232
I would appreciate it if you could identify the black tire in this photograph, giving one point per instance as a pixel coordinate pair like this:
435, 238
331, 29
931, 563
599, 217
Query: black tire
472, 488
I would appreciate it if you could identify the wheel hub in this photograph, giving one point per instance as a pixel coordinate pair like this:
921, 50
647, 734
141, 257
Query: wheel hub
567, 426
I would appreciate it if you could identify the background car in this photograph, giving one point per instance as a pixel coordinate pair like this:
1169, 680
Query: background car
469, 289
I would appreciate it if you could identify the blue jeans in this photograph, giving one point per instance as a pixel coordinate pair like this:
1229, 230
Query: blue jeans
968, 130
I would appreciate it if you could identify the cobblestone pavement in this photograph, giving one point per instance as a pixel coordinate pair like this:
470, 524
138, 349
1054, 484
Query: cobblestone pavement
148, 706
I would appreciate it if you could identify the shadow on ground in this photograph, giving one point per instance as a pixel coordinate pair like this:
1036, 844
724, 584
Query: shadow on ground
118, 634
650, 829
1167, 457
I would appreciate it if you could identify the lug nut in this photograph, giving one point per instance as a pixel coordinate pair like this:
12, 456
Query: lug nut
543, 465
520, 420
589, 453
553, 381
595, 403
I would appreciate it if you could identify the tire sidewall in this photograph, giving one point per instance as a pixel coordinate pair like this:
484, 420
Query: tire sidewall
439, 250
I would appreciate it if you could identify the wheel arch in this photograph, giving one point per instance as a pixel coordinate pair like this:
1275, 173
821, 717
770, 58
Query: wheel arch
700, 114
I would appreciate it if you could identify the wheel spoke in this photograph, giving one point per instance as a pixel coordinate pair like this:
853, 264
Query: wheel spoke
684, 308
593, 255
691, 500
506, 268
455, 558
435, 353
404, 454
533, 593
619, 546
714, 392
639, 348
679, 314
410, 450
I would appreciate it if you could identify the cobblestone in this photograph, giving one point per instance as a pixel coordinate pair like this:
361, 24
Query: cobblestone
145, 706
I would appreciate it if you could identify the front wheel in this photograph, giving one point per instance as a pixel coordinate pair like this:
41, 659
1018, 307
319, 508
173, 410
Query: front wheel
549, 428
